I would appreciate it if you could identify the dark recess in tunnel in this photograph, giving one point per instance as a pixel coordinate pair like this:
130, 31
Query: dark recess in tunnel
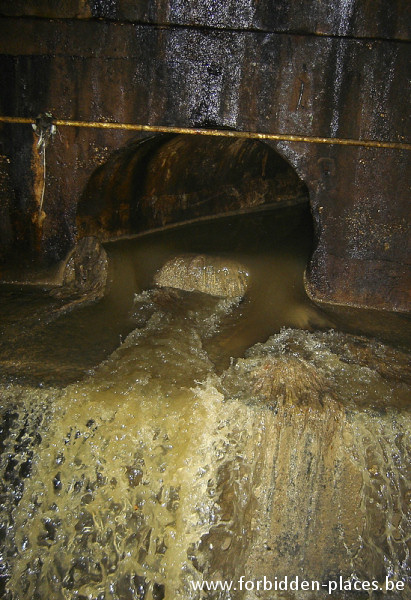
168, 179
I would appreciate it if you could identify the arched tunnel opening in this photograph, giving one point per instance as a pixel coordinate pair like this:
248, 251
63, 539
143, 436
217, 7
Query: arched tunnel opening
218, 201
177, 410
209, 396
170, 179
225, 200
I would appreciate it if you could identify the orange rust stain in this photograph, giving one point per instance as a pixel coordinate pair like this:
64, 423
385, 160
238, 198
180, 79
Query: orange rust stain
37, 213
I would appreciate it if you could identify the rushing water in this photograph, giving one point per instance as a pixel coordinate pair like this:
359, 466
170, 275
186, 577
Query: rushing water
156, 439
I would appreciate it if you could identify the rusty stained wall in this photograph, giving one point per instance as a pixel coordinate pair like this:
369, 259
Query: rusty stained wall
321, 69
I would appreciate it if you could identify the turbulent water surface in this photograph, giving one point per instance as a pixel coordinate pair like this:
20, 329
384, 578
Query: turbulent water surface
160, 438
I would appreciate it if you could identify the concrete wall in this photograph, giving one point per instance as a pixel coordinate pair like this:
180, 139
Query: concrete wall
336, 69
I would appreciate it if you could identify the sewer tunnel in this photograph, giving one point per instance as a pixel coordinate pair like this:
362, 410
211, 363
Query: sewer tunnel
161, 431
170, 179
156, 438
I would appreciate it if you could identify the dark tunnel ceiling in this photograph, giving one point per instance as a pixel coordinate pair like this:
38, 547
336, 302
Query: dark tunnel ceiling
170, 179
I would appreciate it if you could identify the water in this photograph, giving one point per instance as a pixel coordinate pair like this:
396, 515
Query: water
45, 343
157, 439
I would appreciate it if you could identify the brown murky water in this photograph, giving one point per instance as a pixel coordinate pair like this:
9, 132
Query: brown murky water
199, 450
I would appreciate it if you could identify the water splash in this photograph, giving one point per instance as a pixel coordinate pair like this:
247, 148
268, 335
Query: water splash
155, 473
171, 464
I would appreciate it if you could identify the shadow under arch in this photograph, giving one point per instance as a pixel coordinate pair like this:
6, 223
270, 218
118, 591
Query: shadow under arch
168, 179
